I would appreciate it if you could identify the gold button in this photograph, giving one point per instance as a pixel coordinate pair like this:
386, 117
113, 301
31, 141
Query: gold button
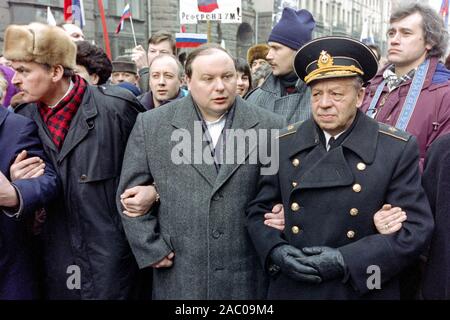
295, 162
295, 230
361, 166
351, 234
295, 206
357, 188
294, 184
354, 212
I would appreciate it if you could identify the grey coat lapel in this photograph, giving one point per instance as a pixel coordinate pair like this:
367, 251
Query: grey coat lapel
244, 119
186, 118
294, 107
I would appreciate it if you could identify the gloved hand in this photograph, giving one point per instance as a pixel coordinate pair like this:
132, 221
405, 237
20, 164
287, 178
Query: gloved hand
328, 261
285, 256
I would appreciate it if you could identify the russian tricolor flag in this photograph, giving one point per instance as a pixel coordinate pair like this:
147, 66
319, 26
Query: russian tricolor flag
207, 5
126, 14
444, 11
190, 40
74, 11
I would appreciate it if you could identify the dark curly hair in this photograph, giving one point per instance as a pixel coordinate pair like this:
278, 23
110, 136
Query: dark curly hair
94, 59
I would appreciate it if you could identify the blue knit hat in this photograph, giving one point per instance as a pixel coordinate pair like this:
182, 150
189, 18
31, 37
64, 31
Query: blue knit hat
294, 28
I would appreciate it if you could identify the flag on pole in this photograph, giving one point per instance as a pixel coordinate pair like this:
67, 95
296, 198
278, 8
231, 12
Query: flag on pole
207, 5
50, 18
444, 12
105, 29
126, 14
190, 40
74, 11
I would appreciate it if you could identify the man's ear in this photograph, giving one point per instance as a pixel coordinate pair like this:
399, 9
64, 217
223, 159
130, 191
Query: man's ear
57, 73
360, 97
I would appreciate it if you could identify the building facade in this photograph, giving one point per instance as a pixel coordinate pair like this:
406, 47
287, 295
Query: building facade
333, 17
352, 18
148, 16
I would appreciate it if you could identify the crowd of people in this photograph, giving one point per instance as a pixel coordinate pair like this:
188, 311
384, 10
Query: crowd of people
119, 179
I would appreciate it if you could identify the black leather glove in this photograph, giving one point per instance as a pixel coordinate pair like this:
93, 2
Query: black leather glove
328, 261
285, 256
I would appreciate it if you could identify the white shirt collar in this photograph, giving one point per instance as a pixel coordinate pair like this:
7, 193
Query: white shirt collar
215, 128
67, 92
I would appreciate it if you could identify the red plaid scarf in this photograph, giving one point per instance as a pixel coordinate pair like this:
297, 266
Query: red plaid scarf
59, 117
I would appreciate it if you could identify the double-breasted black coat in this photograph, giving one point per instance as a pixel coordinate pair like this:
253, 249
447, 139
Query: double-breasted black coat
330, 199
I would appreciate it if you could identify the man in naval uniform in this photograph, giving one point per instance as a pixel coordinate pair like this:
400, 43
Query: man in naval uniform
336, 170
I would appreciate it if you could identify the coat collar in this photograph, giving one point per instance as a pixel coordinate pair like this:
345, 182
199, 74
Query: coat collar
273, 85
80, 125
244, 118
373, 84
185, 117
362, 140
319, 168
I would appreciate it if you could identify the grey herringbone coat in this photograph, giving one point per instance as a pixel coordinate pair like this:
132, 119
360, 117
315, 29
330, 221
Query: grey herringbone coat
294, 107
201, 216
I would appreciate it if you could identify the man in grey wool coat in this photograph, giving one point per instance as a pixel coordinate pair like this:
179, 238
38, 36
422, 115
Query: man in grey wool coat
195, 237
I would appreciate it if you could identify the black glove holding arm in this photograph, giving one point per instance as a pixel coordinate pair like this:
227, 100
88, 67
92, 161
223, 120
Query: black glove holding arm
286, 257
328, 261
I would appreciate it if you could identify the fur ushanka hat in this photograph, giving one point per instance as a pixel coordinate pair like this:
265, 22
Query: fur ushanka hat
39, 43
258, 51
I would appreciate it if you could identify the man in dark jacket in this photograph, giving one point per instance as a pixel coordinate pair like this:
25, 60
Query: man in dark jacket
436, 181
18, 201
84, 130
412, 92
165, 78
335, 170
282, 92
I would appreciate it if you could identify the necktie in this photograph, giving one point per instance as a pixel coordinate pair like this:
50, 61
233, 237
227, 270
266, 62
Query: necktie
331, 144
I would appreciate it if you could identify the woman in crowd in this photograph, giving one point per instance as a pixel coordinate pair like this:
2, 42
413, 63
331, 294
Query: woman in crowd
244, 76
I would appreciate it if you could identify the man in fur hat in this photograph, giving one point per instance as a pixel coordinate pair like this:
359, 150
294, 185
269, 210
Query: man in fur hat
86, 255
256, 56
